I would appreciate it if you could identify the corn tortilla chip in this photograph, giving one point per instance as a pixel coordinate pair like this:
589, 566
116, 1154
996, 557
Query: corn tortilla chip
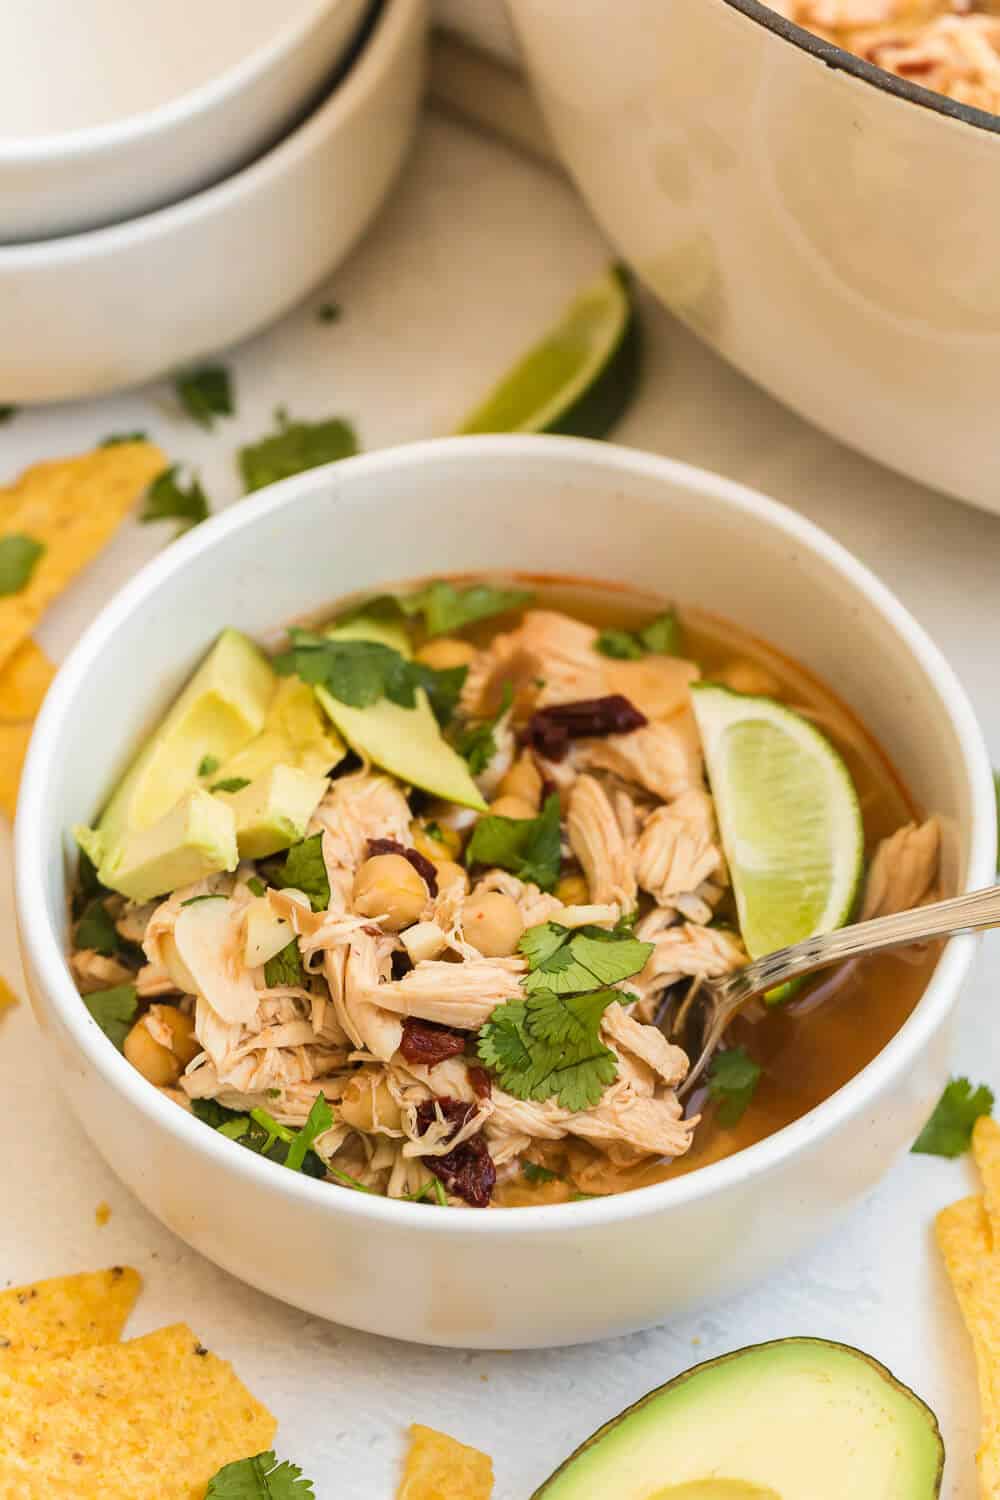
986, 1150
963, 1234
64, 1314
72, 506
438, 1467
24, 680
151, 1419
13, 748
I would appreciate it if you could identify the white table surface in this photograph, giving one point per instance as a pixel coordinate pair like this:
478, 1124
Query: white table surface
476, 250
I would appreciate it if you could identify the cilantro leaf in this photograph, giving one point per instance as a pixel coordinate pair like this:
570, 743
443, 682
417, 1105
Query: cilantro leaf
539, 944
208, 764
210, 1112
96, 929
168, 500
320, 1118
261, 1133
114, 1011
19, 557
443, 687
948, 1132
305, 870
446, 608
209, 896
113, 439
661, 637
257, 887
231, 784
532, 1172
590, 959
359, 673
260, 1478
205, 394
620, 644
87, 884
548, 1046
294, 447
732, 1078
477, 743
529, 847
285, 967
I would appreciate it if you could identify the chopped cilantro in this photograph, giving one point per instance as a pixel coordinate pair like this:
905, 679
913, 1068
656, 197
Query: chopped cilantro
234, 1130
285, 967
208, 764
260, 1478
113, 439
19, 557
294, 447
329, 312
529, 847
732, 1078
534, 1173
305, 870
948, 1132
209, 896
320, 1118
231, 784
477, 743
114, 1011
620, 644
548, 1046
433, 831
446, 608
87, 884
661, 637
573, 962
256, 887
359, 673
7, 413
96, 929
346, 1180
168, 500
439, 1193
205, 394
211, 1113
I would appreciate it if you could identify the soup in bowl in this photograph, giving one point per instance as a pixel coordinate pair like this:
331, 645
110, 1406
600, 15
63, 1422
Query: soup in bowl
424, 989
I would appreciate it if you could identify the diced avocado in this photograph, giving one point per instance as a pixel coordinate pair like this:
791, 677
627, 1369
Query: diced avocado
197, 837
273, 811
391, 633
295, 733
222, 707
406, 741
799, 1419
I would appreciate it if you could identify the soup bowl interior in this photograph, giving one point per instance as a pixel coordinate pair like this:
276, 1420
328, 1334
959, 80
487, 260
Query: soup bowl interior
537, 505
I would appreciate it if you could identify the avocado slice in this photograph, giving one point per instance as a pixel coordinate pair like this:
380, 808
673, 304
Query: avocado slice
797, 1419
221, 709
406, 741
273, 811
295, 733
197, 837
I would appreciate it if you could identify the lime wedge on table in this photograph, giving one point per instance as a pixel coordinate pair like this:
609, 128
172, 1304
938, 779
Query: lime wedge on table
788, 816
580, 377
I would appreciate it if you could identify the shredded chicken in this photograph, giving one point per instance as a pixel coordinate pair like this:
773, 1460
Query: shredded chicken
664, 759
677, 851
686, 951
95, 972
598, 843
904, 870
463, 995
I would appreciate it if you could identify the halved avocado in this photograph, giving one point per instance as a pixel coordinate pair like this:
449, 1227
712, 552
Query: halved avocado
295, 733
797, 1419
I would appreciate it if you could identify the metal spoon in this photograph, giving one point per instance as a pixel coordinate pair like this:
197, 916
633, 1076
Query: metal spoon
717, 1001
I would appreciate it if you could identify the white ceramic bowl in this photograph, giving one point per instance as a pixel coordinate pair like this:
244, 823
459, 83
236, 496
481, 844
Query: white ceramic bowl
93, 312
526, 1276
107, 111
827, 227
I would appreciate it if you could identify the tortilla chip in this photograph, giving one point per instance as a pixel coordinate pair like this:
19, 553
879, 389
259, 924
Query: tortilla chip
72, 506
965, 1240
67, 1313
24, 681
8, 999
13, 748
986, 1150
440, 1468
151, 1419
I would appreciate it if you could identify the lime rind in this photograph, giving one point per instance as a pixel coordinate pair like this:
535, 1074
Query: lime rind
788, 817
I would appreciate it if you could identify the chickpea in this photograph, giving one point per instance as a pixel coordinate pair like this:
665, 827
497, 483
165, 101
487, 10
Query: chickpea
446, 652
389, 888
183, 1044
512, 807
451, 878
572, 890
367, 1105
523, 781
431, 846
749, 677
156, 1064
493, 924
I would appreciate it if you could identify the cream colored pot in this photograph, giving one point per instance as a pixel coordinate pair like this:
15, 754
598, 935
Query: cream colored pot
830, 229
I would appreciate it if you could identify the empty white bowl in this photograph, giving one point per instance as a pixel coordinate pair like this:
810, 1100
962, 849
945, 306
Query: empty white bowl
109, 110
516, 1277
93, 312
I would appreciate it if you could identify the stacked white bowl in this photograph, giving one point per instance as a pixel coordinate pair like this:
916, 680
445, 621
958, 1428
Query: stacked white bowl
176, 173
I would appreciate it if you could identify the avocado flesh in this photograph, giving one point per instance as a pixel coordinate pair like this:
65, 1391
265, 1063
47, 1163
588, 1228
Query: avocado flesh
405, 741
295, 733
799, 1419
221, 709
197, 837
272, 813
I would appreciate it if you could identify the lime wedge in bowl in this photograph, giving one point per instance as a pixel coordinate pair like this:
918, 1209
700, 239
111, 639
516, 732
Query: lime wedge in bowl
582, 374
788, 816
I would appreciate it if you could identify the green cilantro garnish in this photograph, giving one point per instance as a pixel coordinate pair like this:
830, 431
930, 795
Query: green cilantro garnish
113, 439
168, 500
437, 1186
346, 1180
285, 967
19, 557
210, 1112
732, 1078
209, 896
477, 744
294, 447
256, 887
205, 394
446, 608
7, 413
359, 673
588, 959
235, 1130
231, 784
304, 870
87, 884
661, 637
320, 1118
948, 1132
97, 930
208, 764
536, 1174
260, 1478
529, 847
433, 831
329, 312
114, 1011
548, 1046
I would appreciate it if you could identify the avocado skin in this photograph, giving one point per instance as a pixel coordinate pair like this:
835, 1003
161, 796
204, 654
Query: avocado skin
748, 1351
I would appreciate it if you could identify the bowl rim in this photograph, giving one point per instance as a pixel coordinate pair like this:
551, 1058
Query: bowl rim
387, 28
42, 943
185, 108
842, 61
